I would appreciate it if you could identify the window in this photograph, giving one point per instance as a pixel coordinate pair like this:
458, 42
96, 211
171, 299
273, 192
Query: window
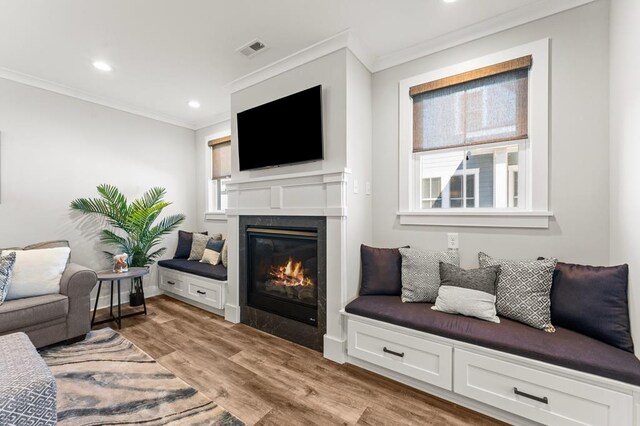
474, 142
476, 121
220, 172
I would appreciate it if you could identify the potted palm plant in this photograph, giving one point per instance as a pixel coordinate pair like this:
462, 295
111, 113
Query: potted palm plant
132, 227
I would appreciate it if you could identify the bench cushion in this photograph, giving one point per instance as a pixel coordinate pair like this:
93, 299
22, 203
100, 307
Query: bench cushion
22, 313
564, 348
217, 272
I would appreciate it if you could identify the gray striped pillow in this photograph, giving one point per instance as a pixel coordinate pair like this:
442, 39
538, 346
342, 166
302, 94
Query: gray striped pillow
468, 292
6, 266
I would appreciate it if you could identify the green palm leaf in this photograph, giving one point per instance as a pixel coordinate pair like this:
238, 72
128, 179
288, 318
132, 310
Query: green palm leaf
133, 227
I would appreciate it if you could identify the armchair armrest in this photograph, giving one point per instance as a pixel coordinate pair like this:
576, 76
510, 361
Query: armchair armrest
77, 281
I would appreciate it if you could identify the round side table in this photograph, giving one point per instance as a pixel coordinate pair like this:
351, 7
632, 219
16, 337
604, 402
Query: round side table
111, 276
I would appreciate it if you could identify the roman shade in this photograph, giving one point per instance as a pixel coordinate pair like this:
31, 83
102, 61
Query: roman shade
220, 157
481, 106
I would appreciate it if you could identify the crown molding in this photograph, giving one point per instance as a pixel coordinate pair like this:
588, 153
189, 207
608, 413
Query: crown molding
50, 86
325, 47
216, 119
522, 15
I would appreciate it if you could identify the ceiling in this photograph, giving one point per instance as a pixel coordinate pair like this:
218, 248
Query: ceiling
167, 52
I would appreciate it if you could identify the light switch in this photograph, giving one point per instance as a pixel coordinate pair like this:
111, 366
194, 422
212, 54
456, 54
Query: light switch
356, 186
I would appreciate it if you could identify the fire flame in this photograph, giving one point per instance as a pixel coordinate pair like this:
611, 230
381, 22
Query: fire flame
290, 275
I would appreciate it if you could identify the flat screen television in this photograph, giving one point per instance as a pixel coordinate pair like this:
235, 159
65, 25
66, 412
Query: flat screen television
284, 131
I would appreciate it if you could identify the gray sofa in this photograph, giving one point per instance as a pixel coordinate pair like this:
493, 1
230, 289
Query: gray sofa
53, 318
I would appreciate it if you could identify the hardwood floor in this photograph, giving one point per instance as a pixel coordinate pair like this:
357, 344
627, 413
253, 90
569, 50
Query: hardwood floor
265, 380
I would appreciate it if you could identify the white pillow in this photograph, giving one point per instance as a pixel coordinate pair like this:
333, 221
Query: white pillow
37, 272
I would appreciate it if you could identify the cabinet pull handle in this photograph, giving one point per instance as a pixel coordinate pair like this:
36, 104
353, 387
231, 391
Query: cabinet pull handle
389, 351
544, 399
171, 282
201, 292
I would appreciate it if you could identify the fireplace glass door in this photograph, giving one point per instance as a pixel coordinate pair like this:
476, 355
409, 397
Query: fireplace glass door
283, 272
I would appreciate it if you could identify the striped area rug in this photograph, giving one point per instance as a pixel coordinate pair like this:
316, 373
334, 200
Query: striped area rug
107, 380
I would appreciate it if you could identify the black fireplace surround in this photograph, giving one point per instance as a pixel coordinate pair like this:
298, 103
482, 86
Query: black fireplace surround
283, 276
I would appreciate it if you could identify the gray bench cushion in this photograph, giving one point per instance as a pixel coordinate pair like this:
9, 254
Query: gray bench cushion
22, 313
565, 348
27, 388
217, 272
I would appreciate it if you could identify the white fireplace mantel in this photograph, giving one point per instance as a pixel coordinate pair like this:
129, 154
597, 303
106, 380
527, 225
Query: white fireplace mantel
313, 193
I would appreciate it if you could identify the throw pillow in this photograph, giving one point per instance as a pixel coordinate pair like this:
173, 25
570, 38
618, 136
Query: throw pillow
198, 245
6, 266
381, 271
468, 292
37, 272
224, 256
421, 273
212, 252
185, 239
592, 300
523, 292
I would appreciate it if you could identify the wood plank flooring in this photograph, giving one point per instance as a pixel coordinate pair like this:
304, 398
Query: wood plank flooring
264, 380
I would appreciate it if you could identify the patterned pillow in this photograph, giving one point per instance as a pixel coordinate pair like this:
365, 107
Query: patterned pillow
213, 252
198, 245
6, 266
421, 273
224, 256
468, 292
524, 289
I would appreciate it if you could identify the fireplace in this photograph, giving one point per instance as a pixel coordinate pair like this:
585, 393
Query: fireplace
283, 277
283, 272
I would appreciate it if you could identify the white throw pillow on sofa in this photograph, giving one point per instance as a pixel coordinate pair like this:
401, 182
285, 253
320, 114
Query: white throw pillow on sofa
37, 272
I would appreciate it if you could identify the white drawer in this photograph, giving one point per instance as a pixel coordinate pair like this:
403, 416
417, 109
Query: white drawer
414, 357
172, 283
209, 295
536, 395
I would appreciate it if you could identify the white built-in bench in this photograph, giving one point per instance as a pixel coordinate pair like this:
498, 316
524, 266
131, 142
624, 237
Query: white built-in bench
509, 371
200, 284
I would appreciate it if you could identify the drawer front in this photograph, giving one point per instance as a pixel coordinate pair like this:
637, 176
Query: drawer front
537, 395
172, 283
415, 357
209, 295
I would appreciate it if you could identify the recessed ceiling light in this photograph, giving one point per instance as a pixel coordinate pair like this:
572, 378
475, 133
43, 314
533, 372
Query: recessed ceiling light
102, 66
194, 104
448, 1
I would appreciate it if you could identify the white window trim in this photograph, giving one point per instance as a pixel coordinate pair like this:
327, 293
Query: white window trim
536, 213
212, 214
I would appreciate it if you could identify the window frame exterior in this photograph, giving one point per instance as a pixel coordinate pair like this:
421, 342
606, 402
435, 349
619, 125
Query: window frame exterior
534, 211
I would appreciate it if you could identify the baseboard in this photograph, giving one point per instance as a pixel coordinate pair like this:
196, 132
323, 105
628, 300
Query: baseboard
195, 303
335, 349
232, 313
450, 396
105, 296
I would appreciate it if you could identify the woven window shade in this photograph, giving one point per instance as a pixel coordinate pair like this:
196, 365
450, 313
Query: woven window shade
486, 105
220, 157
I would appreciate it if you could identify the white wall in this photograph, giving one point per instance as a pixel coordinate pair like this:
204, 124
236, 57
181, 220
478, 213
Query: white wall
579, 180
203, 173
55, 148
625, 147
359, 127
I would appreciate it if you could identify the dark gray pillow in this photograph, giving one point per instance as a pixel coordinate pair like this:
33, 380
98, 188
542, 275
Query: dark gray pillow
381, 271
468, 292
592, 300
421, 273
523, 292
185, 239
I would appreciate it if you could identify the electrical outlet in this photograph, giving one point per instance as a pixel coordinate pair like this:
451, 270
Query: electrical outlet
367, 188
452, 241
356, 186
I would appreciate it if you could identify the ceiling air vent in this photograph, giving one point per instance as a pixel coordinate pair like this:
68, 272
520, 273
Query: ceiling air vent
252, 48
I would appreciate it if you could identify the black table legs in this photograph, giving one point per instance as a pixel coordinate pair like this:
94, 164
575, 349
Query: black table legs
112, 318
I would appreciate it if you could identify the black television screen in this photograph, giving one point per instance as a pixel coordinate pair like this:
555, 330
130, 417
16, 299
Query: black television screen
284, 131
